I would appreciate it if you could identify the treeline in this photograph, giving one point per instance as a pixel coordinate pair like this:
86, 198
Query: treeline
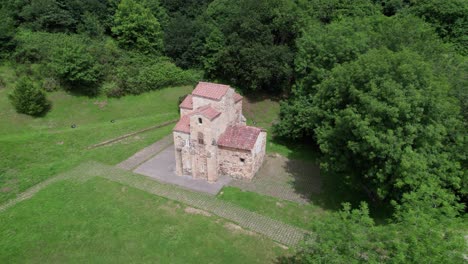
379, 86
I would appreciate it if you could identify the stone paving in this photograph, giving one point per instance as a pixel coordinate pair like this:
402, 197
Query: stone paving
146, 153
273, 229
162, 168
287, 179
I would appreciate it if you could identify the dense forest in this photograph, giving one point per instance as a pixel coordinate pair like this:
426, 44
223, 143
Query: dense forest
376, 87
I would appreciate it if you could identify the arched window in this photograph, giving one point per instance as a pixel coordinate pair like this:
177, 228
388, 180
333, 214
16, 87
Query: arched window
200, 138
200, 121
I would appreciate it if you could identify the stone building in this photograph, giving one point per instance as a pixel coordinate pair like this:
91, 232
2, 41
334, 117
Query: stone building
212, 139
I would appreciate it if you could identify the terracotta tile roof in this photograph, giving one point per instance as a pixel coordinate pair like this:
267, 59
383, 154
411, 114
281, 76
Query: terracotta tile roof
237, 97
239, 137
184, 123
210, 90
187, 103
208, 112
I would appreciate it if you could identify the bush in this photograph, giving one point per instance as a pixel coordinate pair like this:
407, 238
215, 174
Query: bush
138, 75
112, 89
28, 99
77, 67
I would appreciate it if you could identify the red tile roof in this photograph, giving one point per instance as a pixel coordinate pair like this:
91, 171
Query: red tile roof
210, 90
239, 137
187, 103
184, 123
208, 112
237, 97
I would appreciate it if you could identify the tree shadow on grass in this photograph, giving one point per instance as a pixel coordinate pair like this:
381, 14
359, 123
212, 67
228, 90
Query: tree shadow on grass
324, 189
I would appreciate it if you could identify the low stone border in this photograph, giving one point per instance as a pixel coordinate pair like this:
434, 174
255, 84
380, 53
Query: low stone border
107, 142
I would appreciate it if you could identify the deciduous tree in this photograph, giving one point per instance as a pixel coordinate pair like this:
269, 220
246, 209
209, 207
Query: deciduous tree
137, 28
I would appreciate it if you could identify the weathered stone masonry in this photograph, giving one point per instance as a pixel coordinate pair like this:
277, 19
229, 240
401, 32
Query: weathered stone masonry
211, 138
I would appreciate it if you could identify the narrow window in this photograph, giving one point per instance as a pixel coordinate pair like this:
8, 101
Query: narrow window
200, 138
242, 160
200, 121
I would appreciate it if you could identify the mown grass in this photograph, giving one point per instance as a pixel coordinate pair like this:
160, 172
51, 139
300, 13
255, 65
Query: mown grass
34, 149
296, 214
106, 222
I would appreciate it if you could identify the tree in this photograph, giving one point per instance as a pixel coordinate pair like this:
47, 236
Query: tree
28, 98
350, 236
77, 67
136, 28
387, 121
7, 32
91, 26
321, 48
48, 15
327, 11
249, 43
449, 17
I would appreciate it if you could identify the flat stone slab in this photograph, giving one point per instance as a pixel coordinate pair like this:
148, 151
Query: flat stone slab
162, 168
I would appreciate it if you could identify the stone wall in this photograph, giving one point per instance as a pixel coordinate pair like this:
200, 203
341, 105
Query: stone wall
258, 151
203, 148
182, 148
235, 163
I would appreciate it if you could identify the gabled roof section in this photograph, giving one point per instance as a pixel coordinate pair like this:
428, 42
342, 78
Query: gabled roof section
183, 125
237, 97
239, 137
207, 111
211, 91
187, 103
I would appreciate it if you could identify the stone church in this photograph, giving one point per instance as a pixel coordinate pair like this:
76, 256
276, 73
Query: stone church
212, 139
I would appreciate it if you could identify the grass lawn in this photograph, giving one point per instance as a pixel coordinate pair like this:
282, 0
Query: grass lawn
300, 215
34, 149
106, 222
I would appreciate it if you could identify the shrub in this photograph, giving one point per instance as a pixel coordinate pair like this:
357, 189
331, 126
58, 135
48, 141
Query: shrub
77, 67
138, 75
28, 99
112, 89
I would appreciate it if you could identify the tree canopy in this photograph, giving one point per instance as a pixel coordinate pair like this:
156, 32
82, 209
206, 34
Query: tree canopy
137, 28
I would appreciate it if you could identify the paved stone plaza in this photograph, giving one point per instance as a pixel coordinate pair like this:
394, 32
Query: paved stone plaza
162, 167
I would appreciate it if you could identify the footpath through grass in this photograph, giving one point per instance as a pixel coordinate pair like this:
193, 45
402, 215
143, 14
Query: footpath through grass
106, 222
